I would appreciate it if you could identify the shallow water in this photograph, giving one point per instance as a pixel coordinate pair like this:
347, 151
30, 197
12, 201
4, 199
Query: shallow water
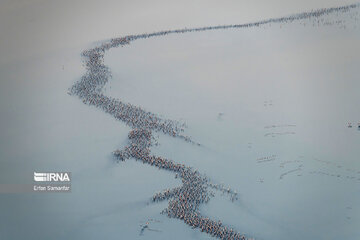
276, 75
270, 107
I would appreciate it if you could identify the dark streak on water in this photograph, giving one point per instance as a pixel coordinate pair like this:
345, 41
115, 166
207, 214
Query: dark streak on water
185, 200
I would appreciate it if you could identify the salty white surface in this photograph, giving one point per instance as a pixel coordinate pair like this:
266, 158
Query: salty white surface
309, 75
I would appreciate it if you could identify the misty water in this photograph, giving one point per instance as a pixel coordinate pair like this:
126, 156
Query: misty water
270, 107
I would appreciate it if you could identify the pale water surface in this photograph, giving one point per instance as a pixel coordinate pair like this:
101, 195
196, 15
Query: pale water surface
269, 105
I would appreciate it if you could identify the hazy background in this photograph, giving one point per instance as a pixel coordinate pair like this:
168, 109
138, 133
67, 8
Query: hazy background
44, 129
31, 28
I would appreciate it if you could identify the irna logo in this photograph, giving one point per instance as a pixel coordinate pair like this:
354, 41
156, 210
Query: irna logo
52, 177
